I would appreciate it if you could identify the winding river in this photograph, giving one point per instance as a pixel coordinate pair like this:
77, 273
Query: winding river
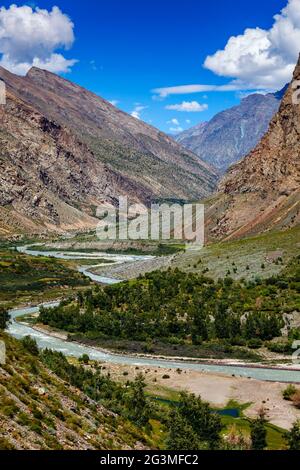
19, 330
110, 259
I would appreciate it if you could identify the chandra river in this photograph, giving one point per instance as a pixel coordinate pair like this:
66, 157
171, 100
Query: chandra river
19, 330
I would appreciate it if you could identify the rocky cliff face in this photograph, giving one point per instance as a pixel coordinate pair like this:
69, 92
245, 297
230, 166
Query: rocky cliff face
233, 133
262, 192
64, 150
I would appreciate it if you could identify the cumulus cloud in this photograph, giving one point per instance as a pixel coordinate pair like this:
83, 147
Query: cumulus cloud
174, 121
136, 113
261, 58
30, 36
188, 107
175, 126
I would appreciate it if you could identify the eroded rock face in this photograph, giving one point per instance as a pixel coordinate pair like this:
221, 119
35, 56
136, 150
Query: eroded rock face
262, 192
47, 177
64, 150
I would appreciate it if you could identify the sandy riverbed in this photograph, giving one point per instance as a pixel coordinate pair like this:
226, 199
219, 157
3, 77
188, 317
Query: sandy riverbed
218, 390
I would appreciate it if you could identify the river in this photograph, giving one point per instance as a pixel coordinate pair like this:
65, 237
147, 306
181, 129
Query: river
86, 270
19, 330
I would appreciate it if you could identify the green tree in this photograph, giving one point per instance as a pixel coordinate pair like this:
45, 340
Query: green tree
222, 327
4, 318
137, 403
181, 435
84, 358
259, 433
199, 324
197, 415
293, 437
30, 345
80, 299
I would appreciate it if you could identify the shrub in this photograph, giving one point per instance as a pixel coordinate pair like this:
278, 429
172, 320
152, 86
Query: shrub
10, 410
280, 347
254, 343
5, 444
35, 427
30, 345
23, 419
236, 440
238, 341
84, 358
294, 334
289, 392
296, 399
4, 318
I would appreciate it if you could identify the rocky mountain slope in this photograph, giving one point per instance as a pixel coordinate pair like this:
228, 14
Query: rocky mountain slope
64, 150
233, 133
262, 192
40, 411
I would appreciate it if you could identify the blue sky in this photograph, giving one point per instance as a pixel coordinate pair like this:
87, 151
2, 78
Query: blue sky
125, 49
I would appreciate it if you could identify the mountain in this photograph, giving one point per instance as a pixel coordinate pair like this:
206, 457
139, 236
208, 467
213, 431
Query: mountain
64, 150
189, 137
233, 133
262, 192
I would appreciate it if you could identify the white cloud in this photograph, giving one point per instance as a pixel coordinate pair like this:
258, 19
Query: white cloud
188, 121
114, 102
176, 130
161, 93
181, 90
136, 113
30, 36
188, 107
257, 60
56, 63
174, 121
93, 65
261, 58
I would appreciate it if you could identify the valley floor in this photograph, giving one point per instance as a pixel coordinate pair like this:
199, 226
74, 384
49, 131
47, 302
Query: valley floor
217, 389
262, 256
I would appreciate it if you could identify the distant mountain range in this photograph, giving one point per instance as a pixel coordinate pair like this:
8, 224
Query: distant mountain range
262, 192
233, 133
64, 150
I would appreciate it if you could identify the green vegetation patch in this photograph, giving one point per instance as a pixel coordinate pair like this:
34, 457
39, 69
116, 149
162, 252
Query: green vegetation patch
26, 278
260, 256
182, 313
